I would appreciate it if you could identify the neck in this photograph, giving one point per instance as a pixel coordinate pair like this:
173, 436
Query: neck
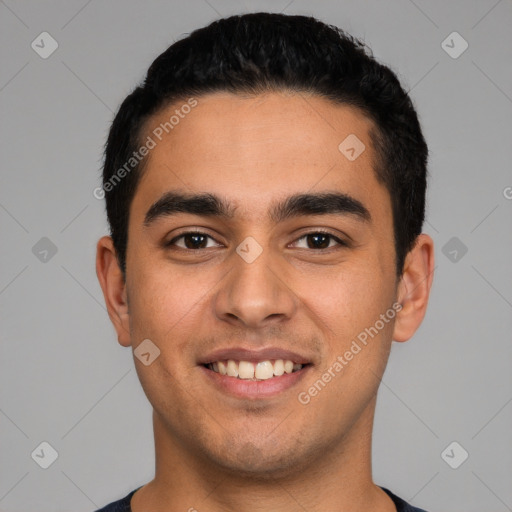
339, 480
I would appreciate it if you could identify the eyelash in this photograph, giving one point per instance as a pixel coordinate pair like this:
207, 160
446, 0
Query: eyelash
340, 242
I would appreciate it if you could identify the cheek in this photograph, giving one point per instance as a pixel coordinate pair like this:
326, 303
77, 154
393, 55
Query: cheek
350, 306
161, 300
348, 299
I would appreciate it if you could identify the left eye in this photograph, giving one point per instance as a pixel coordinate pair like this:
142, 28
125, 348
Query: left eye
195, 240
320, 240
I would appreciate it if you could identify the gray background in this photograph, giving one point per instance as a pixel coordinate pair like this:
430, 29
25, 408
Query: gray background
63, 377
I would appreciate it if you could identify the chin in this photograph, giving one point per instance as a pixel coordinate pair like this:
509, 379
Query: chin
264, 470
262, 459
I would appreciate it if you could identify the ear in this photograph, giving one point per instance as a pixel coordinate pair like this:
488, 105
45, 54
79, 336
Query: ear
114, 288
414, 288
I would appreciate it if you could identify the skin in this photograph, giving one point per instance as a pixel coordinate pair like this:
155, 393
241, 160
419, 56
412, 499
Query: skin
215, 452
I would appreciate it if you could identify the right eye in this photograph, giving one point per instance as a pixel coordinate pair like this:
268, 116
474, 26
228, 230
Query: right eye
192, 240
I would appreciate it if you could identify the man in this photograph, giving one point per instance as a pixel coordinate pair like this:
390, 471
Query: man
265, 189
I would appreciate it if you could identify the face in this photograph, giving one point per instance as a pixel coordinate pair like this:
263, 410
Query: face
263, 280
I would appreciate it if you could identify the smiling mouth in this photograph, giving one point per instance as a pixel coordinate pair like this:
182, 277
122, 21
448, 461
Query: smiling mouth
254, 371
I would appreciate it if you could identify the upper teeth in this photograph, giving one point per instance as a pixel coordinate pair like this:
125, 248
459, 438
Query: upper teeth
260, 371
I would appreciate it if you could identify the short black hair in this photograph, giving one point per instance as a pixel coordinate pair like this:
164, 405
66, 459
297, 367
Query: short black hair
264, 52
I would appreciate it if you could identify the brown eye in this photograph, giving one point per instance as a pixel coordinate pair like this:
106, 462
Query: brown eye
320, 240
192, 240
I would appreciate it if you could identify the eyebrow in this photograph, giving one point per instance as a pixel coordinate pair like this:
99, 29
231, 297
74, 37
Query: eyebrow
211, 205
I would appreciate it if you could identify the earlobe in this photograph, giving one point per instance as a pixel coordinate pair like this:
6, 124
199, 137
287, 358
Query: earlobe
114, 288
414, 288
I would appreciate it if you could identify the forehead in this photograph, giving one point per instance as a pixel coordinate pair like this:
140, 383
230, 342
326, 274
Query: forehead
253, 149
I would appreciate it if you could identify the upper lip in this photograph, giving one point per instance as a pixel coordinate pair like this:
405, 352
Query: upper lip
251, 355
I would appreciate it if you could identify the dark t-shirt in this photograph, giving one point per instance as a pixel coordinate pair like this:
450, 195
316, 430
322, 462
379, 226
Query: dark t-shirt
124, 504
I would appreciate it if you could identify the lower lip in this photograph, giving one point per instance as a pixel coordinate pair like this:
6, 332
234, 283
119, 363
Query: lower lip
254, 389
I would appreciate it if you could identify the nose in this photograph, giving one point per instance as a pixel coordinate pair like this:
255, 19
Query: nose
255, 293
